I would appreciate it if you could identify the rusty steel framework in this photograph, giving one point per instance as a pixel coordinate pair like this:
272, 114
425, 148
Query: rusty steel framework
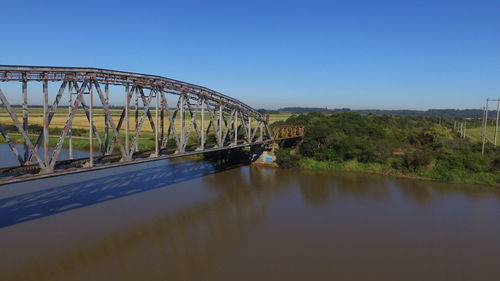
282, 132
230, 122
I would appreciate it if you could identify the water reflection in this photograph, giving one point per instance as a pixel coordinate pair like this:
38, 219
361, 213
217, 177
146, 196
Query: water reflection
316, 192
321, 188
225, 236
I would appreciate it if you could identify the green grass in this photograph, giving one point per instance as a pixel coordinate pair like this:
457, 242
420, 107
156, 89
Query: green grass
146, 141
474, 134
81, 140
279, 117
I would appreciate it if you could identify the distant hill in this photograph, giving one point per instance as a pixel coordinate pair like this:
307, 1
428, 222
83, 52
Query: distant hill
464, 113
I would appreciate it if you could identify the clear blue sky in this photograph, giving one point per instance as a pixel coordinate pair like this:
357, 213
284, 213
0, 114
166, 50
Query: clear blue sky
359, 54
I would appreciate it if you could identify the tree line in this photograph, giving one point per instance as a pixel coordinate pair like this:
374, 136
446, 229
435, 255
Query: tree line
463, 113
405, 145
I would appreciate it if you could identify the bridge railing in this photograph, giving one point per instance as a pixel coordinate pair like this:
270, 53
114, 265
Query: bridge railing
178, 118
281, 132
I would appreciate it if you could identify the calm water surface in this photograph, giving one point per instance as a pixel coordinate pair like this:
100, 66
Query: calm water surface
190, 221
7, 158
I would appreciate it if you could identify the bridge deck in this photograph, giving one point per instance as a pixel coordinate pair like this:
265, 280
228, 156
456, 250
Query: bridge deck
109, 161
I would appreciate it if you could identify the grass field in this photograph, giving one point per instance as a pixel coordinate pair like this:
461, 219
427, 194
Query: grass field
81, 122
474, 134
278, 117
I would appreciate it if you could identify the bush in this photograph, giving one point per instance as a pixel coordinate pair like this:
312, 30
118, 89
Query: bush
415, 145
286, 159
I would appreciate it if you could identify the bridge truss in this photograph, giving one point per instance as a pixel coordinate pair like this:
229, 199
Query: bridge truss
282, 132
183, 118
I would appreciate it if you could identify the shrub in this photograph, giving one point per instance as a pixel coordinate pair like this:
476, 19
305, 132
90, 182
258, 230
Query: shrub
286, 159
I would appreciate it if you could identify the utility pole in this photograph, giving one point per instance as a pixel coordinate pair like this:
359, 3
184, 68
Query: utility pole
465, 127
496, 124
484, 138
485, 120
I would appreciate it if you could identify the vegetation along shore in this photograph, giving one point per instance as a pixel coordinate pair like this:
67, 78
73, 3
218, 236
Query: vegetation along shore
410, 146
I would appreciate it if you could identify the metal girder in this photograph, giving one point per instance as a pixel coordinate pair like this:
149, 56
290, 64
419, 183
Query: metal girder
69, 122
51, 113
21, 130
37, 73
171, 125
88, 115
109, 119
11, 145
232, 122
138, 129
282, 132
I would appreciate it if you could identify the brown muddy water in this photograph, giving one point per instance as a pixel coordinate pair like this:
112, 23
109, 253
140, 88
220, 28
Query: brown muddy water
190, 221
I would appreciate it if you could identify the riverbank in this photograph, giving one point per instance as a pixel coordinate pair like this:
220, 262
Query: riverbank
417, 147
487, 179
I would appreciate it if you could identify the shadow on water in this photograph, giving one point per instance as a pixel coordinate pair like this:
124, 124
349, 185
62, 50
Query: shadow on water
183, 244
196, 241
67, 197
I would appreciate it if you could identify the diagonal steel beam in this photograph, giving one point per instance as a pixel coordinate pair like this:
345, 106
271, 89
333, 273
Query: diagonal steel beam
181, 106
193, 121
228, 125
162, 119
122, 116
245, 128
192, 124
120, 121
268, 130
138, 129
26, 138
87, 114
150, 117
171, 119
51, 113
25, 114
67, 126
211, 114
11, 145
107, 112
254, 133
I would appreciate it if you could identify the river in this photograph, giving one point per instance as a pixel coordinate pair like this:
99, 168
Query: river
9, 160
183, 220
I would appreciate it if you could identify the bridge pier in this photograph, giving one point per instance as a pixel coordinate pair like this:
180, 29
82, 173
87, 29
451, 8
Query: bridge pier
267, 155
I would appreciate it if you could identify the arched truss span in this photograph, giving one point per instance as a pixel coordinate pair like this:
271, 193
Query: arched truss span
181, 118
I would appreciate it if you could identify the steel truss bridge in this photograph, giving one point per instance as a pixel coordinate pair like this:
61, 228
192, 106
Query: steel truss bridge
184, 119
282, 132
